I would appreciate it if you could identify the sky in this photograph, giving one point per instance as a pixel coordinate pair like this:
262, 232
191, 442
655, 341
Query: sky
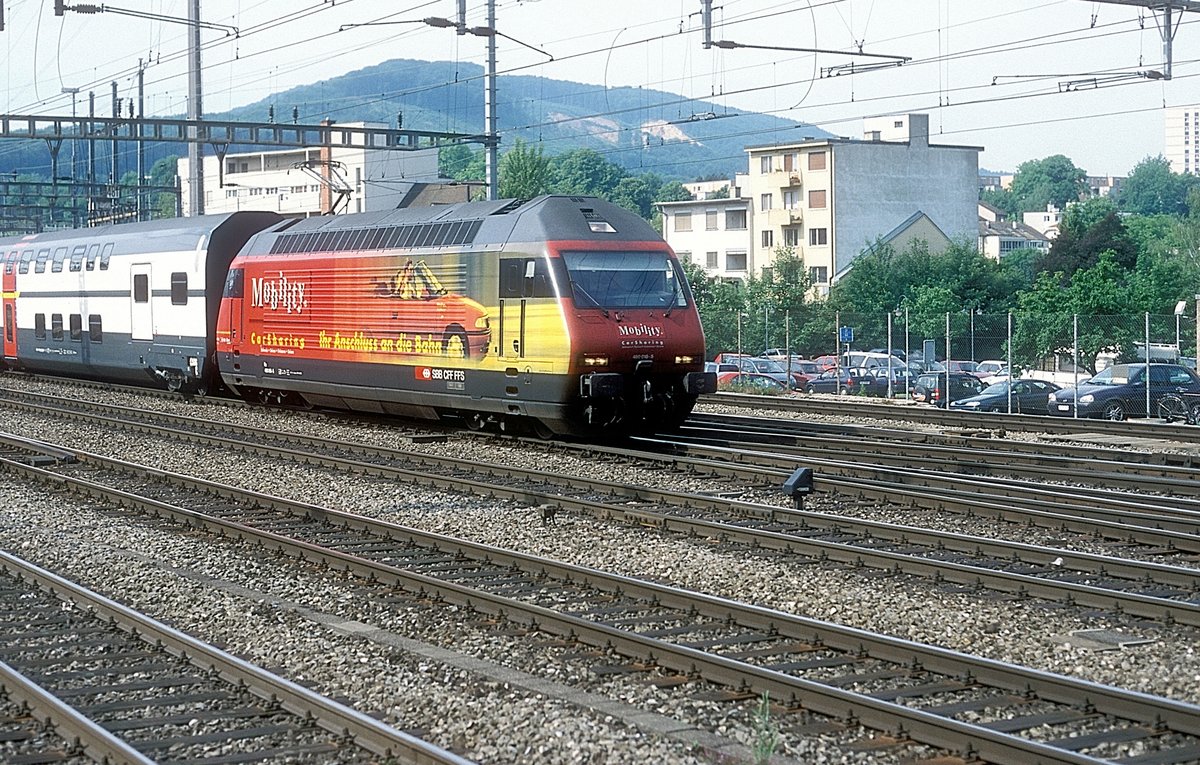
1023, 80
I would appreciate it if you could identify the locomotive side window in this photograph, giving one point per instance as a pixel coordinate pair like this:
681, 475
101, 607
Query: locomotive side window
26, 257
234, 281
60, 256
42, 257
77, 257
39, 326
105, 256
141, 288
93, 254
95, 332
76, 327
525, 278
56, 327
179, 288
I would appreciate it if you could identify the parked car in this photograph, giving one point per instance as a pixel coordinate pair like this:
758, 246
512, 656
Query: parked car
837, 381
1028, 397
1120, 391
870, 360
827, 361
764, 366
940, 388
902, 381
750, 382
990, 367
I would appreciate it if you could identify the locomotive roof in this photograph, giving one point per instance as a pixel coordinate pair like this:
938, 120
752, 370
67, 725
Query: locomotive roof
465, 225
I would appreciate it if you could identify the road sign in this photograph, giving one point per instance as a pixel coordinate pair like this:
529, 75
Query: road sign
846, 334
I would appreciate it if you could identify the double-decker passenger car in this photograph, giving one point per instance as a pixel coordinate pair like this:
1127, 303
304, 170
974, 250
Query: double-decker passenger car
566, 313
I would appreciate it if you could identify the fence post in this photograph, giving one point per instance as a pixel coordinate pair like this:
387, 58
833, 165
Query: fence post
1148, 362
837, 353
889, 366
908, 353
1075, 360
947, 360
1011, 378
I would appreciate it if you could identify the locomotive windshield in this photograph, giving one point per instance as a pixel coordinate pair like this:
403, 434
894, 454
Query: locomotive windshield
616, 279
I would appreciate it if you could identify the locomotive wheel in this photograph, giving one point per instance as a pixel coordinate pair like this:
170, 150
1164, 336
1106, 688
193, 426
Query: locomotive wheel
454, 343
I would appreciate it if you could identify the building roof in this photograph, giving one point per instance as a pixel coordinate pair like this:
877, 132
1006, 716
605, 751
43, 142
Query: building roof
1011, 230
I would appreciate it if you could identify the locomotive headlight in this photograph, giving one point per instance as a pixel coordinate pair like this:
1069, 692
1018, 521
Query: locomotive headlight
1087, 398
483, 322
685, 359
595, 361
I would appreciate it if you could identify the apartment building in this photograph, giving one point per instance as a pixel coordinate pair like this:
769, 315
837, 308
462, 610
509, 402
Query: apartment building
1182, 125
832, 199
713, 233
307, 181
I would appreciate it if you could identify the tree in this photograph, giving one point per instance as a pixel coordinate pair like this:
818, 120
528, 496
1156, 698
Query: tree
636, 193
1054, 180
585, 172
461, 162
1073, 252
1152, 188
524, 172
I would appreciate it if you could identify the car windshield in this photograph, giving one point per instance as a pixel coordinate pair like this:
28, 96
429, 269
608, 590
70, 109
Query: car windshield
625, 279
1121, 374
767, 366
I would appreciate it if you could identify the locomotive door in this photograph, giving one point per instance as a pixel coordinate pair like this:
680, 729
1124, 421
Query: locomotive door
10, 309
516, 277
141, 315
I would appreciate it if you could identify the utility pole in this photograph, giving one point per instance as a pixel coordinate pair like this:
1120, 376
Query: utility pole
116, 113
489, 108
1168, 26
141, 145
194, 111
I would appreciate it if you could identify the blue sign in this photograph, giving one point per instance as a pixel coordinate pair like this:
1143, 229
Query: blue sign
846, 334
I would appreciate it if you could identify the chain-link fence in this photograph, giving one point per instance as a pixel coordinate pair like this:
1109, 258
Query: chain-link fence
1062, 348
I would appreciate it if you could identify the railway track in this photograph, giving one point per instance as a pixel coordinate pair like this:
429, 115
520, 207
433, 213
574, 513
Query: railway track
911, 412
1147, 589
119, 687
976, 707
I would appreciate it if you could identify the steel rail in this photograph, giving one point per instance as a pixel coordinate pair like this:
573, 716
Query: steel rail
917, 413
979, 457
334, 717
94, 741
937, 730
419, 466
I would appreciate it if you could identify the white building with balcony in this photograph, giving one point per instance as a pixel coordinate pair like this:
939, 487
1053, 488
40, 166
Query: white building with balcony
712, 233
831, 199
277, 181
1182, 147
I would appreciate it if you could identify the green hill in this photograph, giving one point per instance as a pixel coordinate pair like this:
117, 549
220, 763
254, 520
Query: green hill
641, 129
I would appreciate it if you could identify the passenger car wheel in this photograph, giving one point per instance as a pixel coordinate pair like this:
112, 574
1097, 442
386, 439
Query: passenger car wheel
1114, 410
1194, 415
809, 389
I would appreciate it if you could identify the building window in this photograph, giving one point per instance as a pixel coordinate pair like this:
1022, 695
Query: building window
710, 259
764, 164
735, 260
898, 124
791, 237
683, 221
791, 200
710, 220
765, 201
735, 220
768, 238
816, 199
818, 274
818, 236
816, 160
